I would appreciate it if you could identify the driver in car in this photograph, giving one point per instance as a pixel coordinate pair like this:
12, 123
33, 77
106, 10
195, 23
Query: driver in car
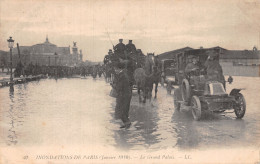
192, 66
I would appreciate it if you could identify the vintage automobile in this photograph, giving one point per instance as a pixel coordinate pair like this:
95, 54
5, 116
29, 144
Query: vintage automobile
168, 73
200, 94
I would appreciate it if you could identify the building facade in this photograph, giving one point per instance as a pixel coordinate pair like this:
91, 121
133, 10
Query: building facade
46, 53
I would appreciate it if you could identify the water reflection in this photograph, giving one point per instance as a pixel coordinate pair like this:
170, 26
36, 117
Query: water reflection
15, 113
186, 129
142, 133
12, 137
80, 111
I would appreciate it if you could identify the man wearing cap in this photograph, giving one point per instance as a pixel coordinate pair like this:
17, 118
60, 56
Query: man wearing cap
130, 47
192, 66
120, 48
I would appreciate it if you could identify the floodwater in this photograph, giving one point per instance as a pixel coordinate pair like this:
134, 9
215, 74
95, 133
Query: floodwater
81, 112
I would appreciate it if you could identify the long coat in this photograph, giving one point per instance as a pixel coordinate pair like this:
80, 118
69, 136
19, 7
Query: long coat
124, 92
214, 71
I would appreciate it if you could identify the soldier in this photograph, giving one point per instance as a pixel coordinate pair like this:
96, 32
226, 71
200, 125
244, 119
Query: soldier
130, 47
120, 49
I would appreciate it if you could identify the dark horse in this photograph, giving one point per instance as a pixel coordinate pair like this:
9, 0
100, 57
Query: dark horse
147, 76
152, 69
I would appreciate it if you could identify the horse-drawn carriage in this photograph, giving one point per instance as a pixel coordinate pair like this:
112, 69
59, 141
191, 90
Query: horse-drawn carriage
168, 73
136, 60
200, 94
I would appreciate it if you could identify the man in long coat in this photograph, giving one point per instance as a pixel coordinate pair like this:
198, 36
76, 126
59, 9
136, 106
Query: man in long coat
124, 94
120, 49
130, 47
214, 69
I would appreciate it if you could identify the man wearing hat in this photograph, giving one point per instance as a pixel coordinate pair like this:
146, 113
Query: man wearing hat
192, 66
124, 94
130, 47
214, 69
120, 48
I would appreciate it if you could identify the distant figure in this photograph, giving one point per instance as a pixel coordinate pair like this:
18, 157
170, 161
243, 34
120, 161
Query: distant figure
120, 49
130, 47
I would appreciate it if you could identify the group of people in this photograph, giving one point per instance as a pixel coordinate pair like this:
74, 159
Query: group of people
57, 71
212, 67
124, 61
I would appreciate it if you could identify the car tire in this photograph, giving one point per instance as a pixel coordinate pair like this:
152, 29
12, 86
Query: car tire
196, 107
240, 108
185, 90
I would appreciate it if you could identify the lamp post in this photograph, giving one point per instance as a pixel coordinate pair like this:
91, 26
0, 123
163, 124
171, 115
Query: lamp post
11, 45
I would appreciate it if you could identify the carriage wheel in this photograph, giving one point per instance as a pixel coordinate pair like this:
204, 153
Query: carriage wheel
240, 107
185, 90
196, 107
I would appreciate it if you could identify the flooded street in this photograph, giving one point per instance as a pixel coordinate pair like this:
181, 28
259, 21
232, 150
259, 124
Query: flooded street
80, 111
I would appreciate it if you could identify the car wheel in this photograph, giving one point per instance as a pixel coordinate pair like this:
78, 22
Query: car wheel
196, 107
185, 90
240, 107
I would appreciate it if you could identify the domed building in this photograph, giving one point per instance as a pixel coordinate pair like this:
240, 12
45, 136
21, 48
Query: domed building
48, 54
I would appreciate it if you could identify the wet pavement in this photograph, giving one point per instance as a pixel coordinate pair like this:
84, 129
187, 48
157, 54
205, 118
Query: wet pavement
80, 111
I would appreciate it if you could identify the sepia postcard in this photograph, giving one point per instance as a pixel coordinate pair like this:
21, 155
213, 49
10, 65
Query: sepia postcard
129, 81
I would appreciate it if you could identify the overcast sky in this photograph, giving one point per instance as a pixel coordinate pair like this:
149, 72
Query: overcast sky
154, 26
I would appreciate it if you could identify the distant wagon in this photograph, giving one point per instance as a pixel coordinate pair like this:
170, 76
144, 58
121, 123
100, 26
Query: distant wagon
168, 73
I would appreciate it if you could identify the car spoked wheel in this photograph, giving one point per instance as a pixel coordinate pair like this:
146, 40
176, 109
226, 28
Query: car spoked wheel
185, 90
240, 107
196, 107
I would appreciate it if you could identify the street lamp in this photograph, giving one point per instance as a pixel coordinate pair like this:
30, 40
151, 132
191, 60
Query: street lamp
11, 45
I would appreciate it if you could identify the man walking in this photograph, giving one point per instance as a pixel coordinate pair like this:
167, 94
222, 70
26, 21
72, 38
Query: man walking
124, 94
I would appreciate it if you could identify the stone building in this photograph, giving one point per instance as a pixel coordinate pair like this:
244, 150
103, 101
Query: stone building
47, 54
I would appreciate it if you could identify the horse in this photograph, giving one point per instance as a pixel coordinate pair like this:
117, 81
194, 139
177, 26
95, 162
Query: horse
147, 76
152, 69
141, 81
